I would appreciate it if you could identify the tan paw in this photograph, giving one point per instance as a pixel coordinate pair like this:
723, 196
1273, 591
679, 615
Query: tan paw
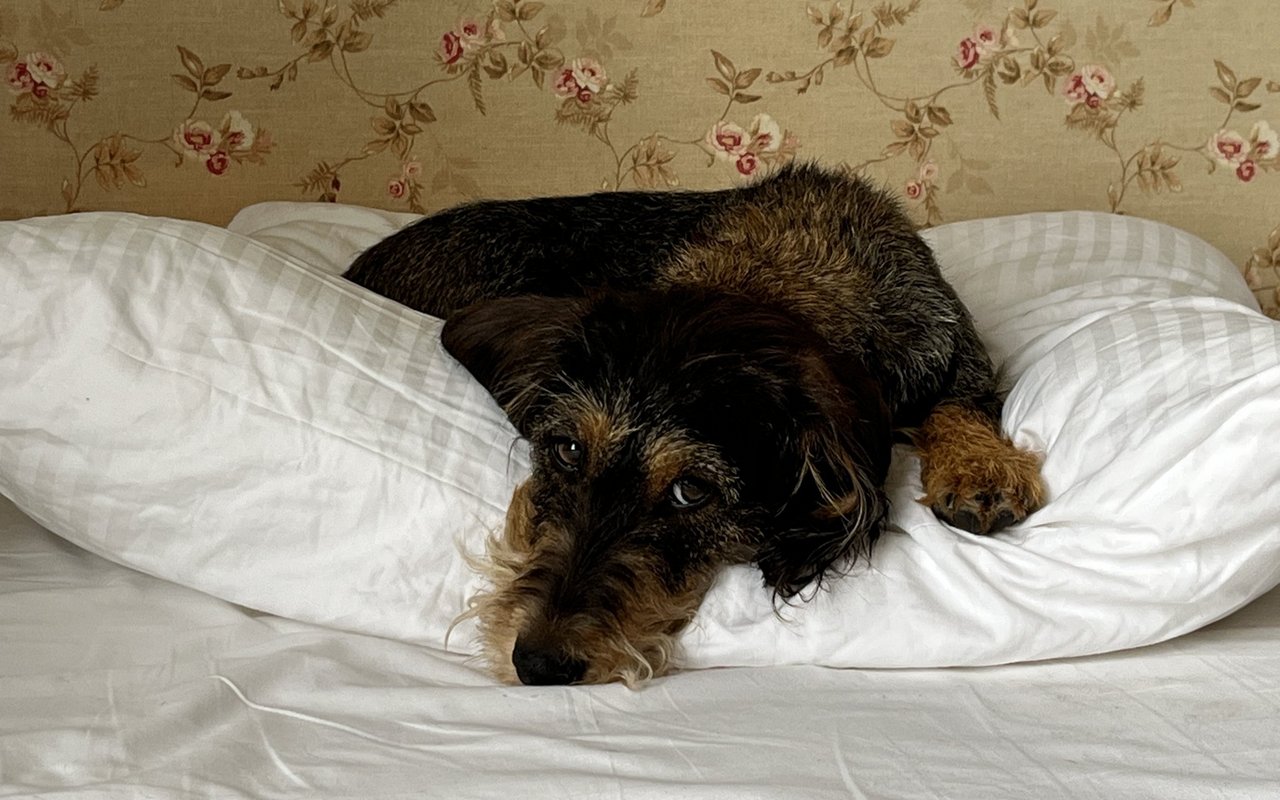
984, 494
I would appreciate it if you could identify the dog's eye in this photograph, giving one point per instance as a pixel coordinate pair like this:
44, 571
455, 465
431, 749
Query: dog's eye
568, 453
688, 493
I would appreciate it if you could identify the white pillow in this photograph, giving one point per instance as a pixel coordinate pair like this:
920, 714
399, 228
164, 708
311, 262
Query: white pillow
195, 404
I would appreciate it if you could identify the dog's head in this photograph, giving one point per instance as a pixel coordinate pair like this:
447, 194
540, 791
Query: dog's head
672, 432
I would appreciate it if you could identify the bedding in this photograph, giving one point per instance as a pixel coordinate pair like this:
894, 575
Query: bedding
215, 408
114, 684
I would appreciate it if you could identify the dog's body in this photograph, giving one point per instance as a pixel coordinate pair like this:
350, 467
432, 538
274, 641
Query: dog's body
705, 378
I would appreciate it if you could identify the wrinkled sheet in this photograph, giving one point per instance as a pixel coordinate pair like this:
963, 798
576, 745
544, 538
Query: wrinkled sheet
115, 684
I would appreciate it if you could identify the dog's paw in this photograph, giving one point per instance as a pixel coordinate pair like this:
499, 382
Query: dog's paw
984, 494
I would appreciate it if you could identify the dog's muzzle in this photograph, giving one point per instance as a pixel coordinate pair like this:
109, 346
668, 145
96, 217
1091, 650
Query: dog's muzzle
544, 666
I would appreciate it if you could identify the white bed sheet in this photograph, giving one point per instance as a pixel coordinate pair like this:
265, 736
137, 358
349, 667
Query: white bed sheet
115, 684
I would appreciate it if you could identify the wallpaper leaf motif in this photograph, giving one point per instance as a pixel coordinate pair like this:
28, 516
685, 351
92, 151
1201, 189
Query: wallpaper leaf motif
988, 58
474, 50
652, 7
992, 57
599, 38
1109, 44
1162, 14
501, 46
58, 33
46, 98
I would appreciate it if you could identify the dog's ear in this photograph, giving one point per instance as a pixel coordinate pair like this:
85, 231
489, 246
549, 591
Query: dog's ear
843, 448
510, 344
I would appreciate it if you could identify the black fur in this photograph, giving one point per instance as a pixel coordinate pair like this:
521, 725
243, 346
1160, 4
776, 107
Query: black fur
781, 330
755, 384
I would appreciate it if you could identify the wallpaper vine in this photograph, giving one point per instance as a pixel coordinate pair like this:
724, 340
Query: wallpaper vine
1159, 108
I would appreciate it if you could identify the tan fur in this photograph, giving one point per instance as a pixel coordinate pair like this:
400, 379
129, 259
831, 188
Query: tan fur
967, 465
640, 647
807, 274
667, 457
599, 428
497, 612
643, 645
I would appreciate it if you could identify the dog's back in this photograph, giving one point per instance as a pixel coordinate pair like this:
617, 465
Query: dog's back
830, 248
560, 246
842, 255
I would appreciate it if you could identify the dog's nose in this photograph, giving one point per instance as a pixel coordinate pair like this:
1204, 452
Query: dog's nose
541, 666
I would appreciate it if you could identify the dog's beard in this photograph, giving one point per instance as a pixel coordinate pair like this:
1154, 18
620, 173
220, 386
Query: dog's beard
632, 646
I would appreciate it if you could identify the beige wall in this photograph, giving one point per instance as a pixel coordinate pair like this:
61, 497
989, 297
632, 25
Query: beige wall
1101, 104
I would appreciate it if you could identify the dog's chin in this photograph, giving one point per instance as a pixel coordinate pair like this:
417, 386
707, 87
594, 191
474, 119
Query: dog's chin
500, 616
633, 657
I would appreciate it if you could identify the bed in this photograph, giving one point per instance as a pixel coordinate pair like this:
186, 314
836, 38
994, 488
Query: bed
217, 676
116, 684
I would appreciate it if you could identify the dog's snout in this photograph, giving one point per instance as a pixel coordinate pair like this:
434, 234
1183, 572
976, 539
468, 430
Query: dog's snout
544, 666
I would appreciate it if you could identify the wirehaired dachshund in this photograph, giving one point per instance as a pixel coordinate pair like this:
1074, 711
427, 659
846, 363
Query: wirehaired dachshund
705, 378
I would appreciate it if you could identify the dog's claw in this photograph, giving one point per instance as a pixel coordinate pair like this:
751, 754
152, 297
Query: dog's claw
974, 477
980, 513
967, 520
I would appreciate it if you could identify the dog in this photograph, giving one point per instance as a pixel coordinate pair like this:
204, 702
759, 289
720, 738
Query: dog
705, 378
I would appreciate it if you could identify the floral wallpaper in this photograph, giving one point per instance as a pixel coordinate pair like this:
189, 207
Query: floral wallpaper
1158, 108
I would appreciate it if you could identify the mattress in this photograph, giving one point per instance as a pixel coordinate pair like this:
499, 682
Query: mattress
115, 684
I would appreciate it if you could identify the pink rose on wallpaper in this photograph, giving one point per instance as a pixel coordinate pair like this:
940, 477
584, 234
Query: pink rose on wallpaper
1247, 170
238, 132
195, 138
1264, 143
766, 134
218, 162
470, 34
986, 40
450, 48
1097, 80
19, 78
45, 69
473, 34
397, 188
914, 190
967, 55
928, 172
1228, 147
411, 169
727, 140
583, 78
763, 141
1074, 89
1091, 84
588, 73
564, 85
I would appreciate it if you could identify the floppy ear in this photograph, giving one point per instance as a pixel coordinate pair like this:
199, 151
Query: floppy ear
839, 507
509, 345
